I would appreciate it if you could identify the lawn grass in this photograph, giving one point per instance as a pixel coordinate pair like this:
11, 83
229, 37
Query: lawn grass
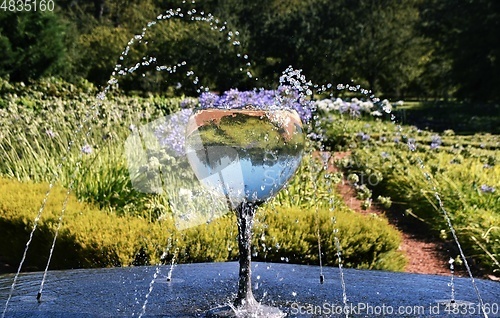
461, 117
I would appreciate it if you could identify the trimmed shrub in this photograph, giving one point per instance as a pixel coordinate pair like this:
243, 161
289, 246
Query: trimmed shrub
366, 241
93, 238
88, 236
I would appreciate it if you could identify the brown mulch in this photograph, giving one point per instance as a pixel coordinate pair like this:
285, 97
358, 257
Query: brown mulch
425, 254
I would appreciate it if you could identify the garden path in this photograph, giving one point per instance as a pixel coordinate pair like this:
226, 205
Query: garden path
426, 254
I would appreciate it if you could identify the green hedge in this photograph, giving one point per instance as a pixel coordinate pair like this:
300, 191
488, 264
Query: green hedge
367, 241
88, 237
93, 238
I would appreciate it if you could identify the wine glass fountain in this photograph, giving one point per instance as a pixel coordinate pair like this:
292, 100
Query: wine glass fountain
246, 155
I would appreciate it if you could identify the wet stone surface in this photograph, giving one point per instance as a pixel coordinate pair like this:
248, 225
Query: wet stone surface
197, 288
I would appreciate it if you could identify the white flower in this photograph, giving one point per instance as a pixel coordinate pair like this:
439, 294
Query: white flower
325, 104
386, 106
366, 106
337, 103
183, 192
50, 133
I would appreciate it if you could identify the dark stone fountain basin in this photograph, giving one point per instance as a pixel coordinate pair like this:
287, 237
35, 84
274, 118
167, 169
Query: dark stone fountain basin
196, 288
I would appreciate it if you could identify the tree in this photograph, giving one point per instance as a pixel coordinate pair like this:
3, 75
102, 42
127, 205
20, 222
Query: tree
382, 46
465, 33
33, 44
370, 42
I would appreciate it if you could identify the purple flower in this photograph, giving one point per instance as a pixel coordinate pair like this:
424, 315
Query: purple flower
434, 146
436, 142
284, 97
208, 100
411, 144
363, 136
171, 133
232, 99
315, 136
487, 189
86, 149
352, 108
188, 103
355, 109
436, 139
343, 107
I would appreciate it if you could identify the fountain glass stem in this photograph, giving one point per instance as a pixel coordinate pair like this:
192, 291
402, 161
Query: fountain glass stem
245, 213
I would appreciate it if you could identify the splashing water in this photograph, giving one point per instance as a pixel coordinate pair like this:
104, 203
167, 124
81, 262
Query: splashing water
150, 290
342, 281
87, 117
386, 108
452, 283
39, 295
447, 218
93, 112
290, 78
172, 265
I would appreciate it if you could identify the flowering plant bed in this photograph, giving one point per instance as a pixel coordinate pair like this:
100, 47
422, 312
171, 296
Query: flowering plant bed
284, 97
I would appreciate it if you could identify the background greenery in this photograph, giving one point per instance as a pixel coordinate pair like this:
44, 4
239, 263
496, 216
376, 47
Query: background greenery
426, 49
442, 53
108, 223
90, 237
462, 171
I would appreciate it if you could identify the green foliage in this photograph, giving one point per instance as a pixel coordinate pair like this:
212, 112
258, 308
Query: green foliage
35, 92
89, 237
461, 171
417, 48
462, 117
33, 44
43, 128
339, 41
93, 238
466, 44
99, 52
197, 49
119, 226
367, 241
